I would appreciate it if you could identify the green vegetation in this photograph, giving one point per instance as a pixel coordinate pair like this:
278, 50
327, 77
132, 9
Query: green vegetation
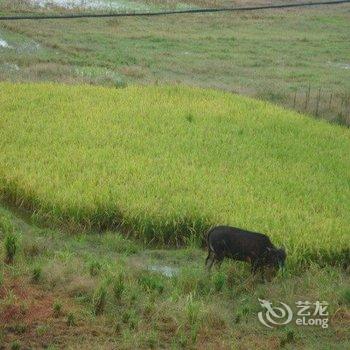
10, 248
168, 162
273, 55
129, 306
57, 309
163, 163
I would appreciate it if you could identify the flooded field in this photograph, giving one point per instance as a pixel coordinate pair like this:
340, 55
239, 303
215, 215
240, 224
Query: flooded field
167, 271
9, 67
93, 4
4, 43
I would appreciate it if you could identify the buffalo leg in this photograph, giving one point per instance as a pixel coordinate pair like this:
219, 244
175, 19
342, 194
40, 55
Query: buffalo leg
210, 258
262, 271
254, 266
218, 262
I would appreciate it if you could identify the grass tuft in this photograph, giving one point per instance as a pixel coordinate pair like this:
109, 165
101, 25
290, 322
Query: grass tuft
57, 308
94, 267
11, 245
100, 300
37, 274
118, 287
71, 321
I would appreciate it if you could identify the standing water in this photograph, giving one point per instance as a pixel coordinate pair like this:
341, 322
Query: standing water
165, 270
90, 4
4, 43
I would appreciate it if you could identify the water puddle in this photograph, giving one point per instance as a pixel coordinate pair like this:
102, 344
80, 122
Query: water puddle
343, 65
340, 65
167, 271
4, 44
9, 67
29, 46
98, 73
90, 4
20, 47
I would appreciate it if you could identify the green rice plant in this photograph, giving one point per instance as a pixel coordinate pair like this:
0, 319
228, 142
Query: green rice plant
118, 287
193, 280
142, 166
219, 281
181, 340
71, 321
57, 308
99, 300
15, 345
37, 274
288, 337
41, 330
345, 296
6, 225
130, 318
194, 314
94, 267
152, 339
33, 247
151, 281
119, 244
11, 245
133, 294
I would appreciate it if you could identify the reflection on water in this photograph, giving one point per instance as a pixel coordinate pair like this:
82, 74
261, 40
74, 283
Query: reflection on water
4, 43
92, 4
167, 271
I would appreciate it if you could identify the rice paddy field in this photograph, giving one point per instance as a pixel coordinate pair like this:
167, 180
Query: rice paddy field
105, 291
122, 141
166, 163
297, 58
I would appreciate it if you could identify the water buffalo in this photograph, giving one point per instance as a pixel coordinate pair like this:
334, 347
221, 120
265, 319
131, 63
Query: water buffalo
237, 244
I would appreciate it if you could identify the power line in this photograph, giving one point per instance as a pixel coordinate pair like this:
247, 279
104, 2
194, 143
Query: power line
171, 12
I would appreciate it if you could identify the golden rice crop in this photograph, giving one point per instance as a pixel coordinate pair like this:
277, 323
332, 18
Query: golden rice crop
167, 162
